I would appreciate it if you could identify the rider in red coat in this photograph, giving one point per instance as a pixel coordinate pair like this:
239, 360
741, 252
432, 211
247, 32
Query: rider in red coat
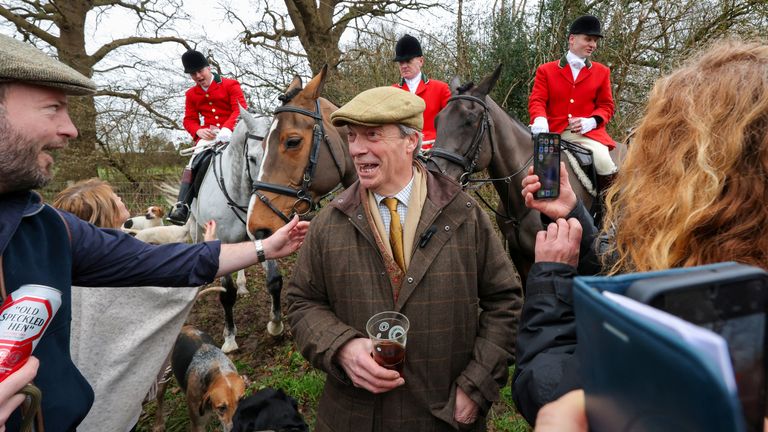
572, 96
217, 100
435, 93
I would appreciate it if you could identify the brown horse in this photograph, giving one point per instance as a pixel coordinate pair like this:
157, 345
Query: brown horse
305, 158
474, 134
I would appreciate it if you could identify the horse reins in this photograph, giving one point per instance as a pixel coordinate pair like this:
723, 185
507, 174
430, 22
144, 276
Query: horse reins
469, 163
219, 176
303, 193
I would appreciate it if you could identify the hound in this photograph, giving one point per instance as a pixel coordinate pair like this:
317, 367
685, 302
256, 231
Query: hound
208, 378
153, 218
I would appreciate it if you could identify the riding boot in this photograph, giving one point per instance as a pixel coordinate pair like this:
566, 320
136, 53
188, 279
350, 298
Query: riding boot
603, 183
180, 211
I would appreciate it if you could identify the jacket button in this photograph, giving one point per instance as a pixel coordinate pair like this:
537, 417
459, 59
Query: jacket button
213, 109
206, 95
469, 204
447, 228
210, 103
571, 100
410, 280
218, 124
360, 217
569, 116
217, 117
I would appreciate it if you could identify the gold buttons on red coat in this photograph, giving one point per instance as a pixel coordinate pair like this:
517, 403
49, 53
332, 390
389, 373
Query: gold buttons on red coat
216, 117
206, 95
210, 103
213, 110
569, 116
571, 100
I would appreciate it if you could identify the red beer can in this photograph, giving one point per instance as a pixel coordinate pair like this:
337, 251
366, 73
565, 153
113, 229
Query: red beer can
24, 316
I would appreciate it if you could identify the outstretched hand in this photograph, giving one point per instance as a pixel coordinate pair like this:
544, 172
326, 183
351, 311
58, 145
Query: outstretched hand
356, 360
559, 243
555, 208
287, 239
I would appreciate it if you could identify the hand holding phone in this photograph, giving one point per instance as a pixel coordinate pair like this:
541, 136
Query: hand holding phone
546, 164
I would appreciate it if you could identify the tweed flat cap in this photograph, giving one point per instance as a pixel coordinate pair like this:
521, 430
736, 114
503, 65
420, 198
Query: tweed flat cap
22, 62
380, 106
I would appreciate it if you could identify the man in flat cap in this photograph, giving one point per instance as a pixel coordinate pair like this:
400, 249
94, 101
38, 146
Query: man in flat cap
435, 93
572, 97
211, 109
42, 246
403, 239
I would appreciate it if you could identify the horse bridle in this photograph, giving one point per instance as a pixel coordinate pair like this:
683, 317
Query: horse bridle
218, 174
469, 161
301, 194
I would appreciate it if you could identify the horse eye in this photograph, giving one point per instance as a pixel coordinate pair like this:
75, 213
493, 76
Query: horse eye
293, 142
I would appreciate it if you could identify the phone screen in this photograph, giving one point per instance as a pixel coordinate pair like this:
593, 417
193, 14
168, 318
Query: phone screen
546, 165
737, 312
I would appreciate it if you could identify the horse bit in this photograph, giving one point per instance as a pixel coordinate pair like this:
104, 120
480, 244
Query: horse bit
302, 194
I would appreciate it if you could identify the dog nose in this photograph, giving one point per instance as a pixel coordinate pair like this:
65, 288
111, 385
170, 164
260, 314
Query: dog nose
262, 234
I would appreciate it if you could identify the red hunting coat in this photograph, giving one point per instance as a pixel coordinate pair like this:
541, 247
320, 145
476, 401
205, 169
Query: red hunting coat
557, 97
219, 106
435, 94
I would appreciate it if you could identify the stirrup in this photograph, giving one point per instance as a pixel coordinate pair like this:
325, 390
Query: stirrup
179, 214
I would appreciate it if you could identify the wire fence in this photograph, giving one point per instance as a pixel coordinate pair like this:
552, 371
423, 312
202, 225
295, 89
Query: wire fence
137, 196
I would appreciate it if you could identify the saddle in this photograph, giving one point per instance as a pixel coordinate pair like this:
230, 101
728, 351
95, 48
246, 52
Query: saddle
582, 162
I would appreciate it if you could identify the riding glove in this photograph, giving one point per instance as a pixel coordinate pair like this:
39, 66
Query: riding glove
224, 135
540, 125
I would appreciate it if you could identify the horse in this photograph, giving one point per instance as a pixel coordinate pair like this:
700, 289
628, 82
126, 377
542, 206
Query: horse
473, 134
305, 158
226, 185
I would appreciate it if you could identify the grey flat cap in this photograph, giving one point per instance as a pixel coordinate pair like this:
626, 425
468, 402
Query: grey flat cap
22, 62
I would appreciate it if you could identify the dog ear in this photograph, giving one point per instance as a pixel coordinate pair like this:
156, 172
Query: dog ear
205, 404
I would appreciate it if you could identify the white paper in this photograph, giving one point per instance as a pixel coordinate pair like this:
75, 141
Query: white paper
709, 343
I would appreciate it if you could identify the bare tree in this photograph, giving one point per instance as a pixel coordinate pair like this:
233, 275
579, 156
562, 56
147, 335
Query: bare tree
61, 24
318, 26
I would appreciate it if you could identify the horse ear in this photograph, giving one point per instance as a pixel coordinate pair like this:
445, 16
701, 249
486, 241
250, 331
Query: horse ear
454, 84
486, 86
245, 116
315, 86
295, 84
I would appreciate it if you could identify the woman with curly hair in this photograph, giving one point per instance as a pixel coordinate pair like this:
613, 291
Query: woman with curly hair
692, 190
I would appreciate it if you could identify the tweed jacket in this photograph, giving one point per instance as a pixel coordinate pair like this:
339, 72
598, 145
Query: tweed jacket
461, 294
219, 106
557, 97
435, 94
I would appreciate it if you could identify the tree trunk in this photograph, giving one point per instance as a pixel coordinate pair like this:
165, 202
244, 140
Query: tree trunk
80, 159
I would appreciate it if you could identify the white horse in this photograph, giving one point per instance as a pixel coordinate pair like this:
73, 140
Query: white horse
223, 197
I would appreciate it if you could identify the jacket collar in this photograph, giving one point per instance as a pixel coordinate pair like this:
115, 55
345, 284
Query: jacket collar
13, 207
564, 62
424, 79
441, 190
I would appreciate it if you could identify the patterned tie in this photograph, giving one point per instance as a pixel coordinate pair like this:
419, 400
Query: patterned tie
395, 233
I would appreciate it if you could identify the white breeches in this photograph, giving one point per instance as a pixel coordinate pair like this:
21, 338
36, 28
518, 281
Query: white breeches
601, 154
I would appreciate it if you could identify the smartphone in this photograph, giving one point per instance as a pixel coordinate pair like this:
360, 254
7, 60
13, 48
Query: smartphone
732, 301
546, 164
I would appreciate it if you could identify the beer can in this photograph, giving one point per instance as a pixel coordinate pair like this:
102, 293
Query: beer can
24, 316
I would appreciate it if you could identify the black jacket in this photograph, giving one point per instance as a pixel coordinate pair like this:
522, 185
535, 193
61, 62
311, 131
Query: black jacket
547, 364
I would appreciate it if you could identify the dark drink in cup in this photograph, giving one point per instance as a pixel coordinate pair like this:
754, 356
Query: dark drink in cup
389, 333
389, 354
